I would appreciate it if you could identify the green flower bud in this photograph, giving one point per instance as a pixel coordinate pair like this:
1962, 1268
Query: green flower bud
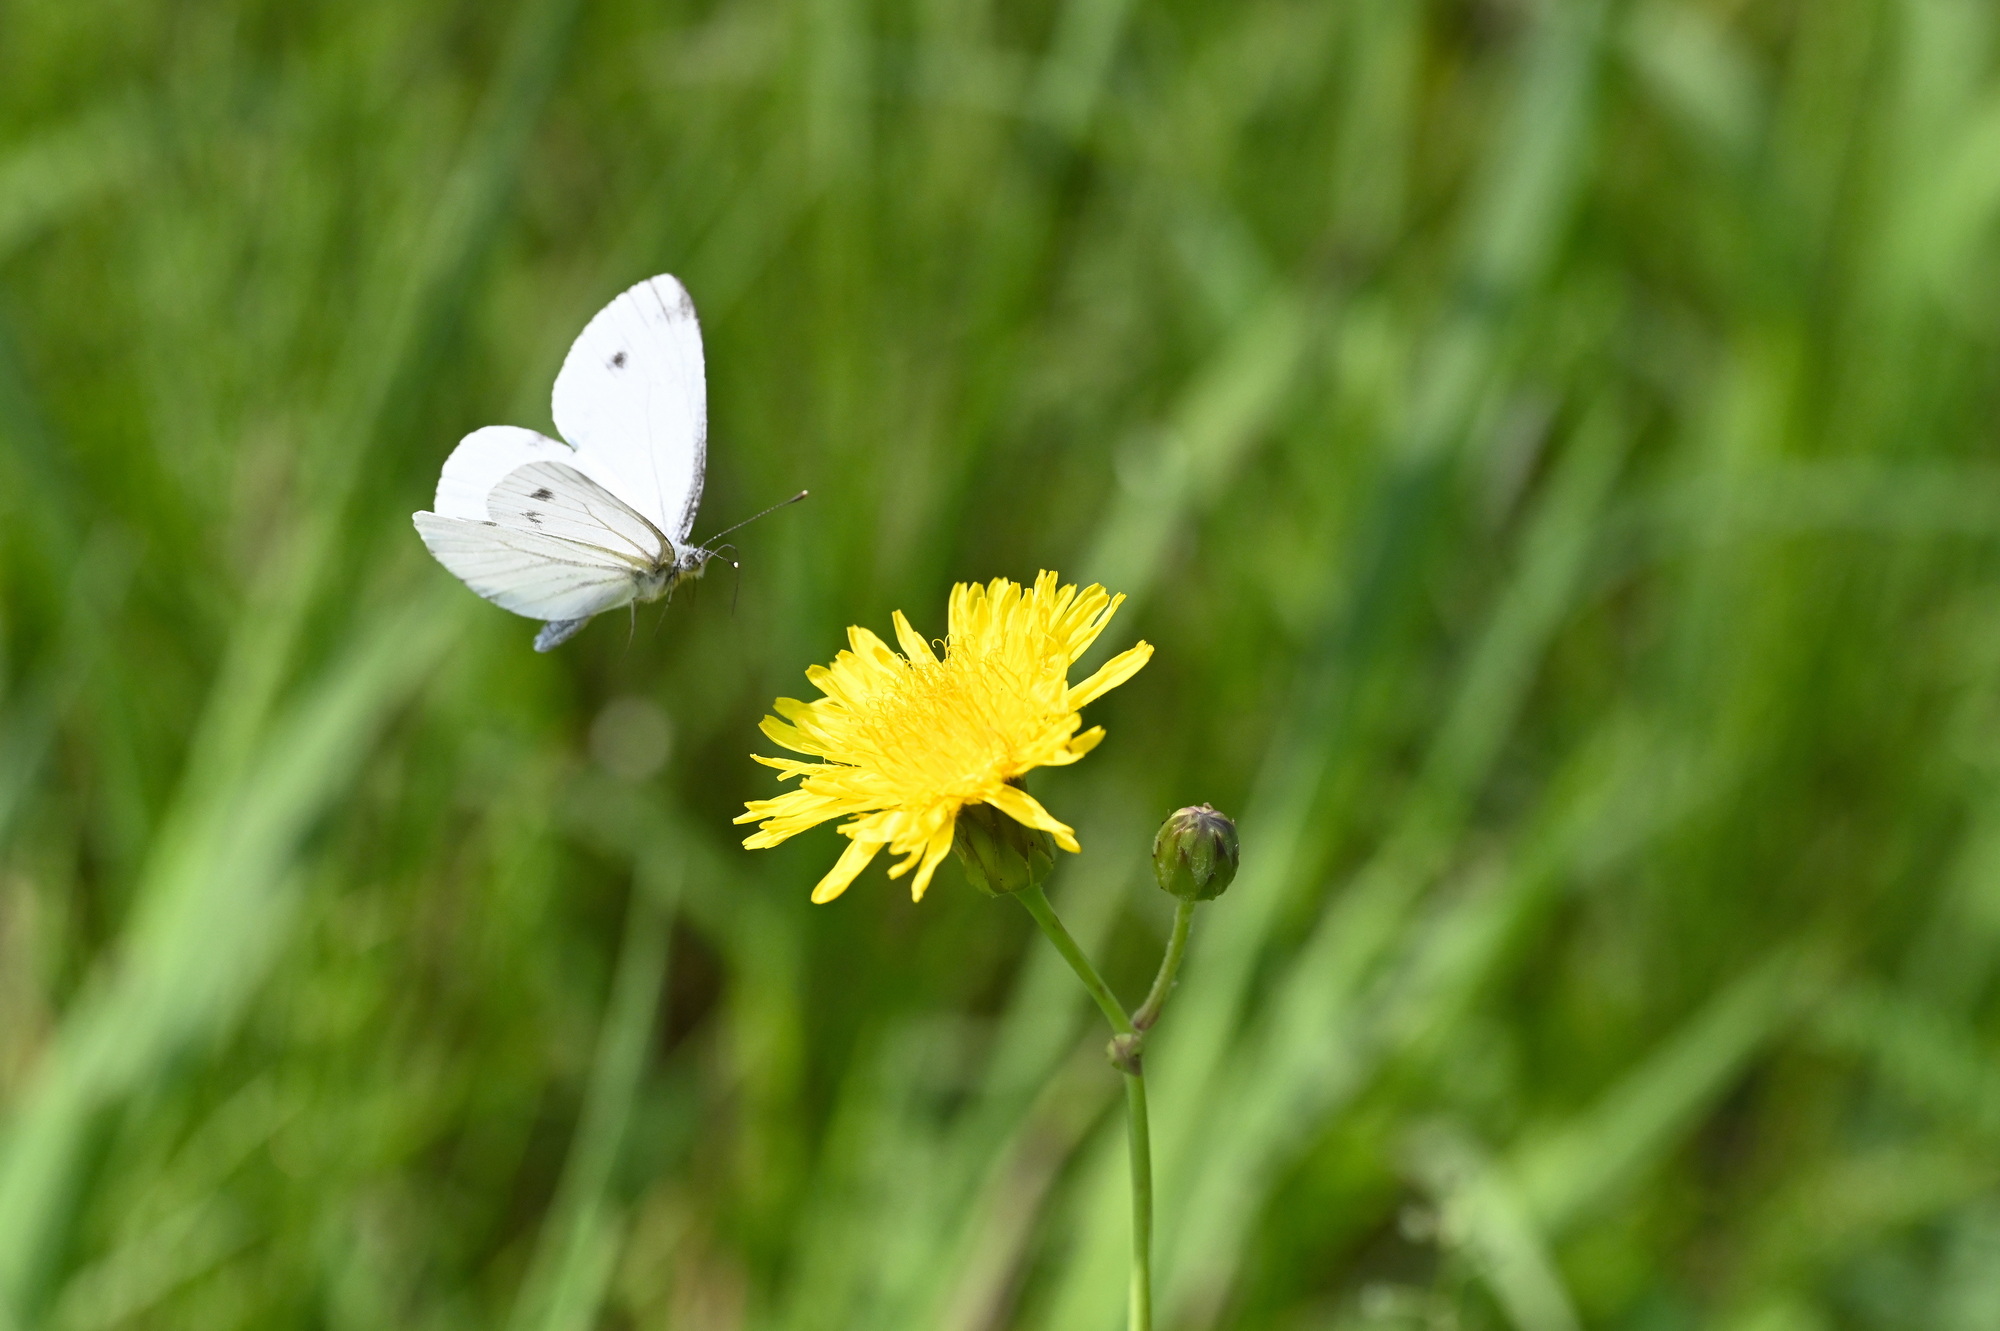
1000, 855
1194, 855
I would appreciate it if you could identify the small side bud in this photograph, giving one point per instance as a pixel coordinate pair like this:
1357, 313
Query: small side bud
1000, 855
1194, 855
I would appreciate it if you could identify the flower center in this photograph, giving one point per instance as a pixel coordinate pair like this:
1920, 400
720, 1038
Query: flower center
954, 728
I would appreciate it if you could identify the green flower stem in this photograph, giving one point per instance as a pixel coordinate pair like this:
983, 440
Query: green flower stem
1142, 1201
1045, 915
1125, 1054
1170, 965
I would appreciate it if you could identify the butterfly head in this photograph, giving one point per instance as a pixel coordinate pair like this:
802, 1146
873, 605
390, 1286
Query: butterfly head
691, 563
688, 564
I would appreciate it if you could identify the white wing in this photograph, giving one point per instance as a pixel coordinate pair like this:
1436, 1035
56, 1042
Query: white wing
532, 574
632, 398
483, 457
555, 499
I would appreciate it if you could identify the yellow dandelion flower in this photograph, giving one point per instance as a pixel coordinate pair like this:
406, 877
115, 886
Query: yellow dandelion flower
907, 740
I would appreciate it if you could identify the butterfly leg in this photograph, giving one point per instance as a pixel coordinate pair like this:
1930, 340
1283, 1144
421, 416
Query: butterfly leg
557, 632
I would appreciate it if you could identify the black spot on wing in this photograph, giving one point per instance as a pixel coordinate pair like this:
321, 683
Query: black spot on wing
532, 516
618, 361
543, 493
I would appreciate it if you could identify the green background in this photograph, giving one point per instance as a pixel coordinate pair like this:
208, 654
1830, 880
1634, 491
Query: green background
1548, 442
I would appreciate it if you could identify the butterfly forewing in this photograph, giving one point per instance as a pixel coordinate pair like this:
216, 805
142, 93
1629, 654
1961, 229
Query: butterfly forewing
529, 572
631, 398
558, 500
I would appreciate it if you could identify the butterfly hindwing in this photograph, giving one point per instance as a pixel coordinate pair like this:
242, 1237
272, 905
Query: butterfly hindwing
483, 458
557, 632
631, 397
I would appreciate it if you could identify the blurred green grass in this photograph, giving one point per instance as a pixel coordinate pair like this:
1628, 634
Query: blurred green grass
1550, 443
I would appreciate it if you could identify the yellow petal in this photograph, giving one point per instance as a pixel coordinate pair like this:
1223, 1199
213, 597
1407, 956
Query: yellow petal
933, 856
1113, 673
957, 607
968, 614
1093, 615
852, 678
913, 643
788, 802
870, 648
1023, 808
787, 736
791, 766
851, 862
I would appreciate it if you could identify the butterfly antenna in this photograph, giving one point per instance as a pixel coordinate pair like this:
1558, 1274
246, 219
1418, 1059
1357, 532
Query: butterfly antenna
709, 544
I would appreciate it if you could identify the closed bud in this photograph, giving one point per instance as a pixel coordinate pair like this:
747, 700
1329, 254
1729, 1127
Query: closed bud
1194, 855
1000, 855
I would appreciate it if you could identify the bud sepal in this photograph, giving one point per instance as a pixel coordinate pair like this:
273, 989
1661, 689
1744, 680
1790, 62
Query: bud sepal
1000, 856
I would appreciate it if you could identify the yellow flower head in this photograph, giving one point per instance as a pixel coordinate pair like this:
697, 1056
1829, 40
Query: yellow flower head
906, 741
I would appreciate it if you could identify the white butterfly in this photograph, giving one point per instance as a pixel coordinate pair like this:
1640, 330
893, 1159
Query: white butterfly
563, 531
